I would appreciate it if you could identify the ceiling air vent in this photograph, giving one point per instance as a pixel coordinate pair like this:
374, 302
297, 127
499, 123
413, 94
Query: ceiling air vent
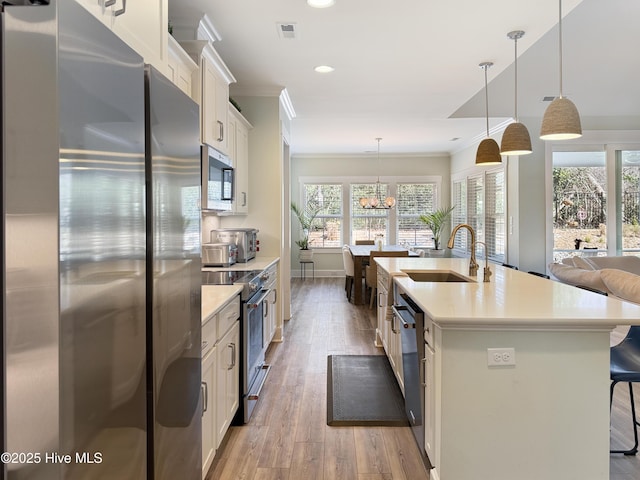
287, 30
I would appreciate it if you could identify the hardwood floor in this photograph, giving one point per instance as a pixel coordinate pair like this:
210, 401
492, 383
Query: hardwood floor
288, 438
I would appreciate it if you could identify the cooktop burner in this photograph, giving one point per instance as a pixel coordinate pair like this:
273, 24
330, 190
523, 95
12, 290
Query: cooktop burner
251, 280
224, 277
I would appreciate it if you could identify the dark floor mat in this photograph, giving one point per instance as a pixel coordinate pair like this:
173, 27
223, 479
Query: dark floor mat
362, 391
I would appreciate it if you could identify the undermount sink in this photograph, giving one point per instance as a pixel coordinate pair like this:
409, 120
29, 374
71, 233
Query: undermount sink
436, 276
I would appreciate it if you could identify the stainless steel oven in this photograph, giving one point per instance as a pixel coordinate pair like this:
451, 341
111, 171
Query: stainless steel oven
254, 371
254, 298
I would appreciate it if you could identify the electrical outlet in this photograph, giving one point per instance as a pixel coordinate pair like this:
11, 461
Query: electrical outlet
498, 357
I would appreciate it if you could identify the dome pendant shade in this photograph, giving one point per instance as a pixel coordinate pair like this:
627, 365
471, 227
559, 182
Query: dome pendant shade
488, 153
561, 121
516, 140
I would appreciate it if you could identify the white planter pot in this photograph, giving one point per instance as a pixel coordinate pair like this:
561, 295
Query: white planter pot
433, 253
305, 255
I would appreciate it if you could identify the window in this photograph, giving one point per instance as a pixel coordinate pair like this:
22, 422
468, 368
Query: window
579, 202
342, 220
628, 204
413, 200
480, 201
327, 226
367, 223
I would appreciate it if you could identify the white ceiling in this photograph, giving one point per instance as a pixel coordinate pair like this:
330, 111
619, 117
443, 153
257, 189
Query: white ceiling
408, 71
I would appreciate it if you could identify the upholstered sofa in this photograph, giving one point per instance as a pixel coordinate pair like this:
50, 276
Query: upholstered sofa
617, 276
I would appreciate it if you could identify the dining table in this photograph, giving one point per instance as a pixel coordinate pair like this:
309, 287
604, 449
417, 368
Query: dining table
360, 255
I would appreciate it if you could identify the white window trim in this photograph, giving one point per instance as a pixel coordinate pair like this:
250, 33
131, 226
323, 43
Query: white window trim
346, 197
464, 175
606, 140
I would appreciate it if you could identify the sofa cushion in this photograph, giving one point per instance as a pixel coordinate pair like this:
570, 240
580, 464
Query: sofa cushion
627, 263
578, 276
622, 284
583, 263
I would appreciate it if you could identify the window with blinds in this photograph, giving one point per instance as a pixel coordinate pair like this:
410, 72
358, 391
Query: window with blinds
413, 200
327, 226
367, 223
480, 202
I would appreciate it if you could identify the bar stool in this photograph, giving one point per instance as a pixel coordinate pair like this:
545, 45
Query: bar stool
625, 367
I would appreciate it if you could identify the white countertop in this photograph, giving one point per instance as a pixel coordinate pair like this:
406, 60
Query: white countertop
512, 298
258, 263
214, 297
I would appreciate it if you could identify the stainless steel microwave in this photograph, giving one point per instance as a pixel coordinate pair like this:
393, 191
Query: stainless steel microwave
217, 180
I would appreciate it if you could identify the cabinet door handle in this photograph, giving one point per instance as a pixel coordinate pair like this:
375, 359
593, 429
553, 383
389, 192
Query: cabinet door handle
108, 3
232, 346
379, 298
244, 199
220, 131
423, 371
119, 12
204, 389
393, 323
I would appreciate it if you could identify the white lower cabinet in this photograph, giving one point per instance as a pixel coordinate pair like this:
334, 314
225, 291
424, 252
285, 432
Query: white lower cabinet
227, 381
388, 327
220, 377
208, 409
429, 404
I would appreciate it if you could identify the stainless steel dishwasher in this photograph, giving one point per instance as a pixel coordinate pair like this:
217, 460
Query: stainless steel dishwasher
412, 333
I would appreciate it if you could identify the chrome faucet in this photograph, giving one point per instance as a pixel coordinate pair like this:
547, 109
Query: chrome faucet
473, 265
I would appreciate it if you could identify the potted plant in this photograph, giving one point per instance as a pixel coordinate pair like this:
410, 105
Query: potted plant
305, 217
436, 221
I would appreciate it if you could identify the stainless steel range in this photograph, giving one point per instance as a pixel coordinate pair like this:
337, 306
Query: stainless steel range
253, 369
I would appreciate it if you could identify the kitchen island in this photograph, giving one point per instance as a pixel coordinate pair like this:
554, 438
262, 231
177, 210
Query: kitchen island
545, 416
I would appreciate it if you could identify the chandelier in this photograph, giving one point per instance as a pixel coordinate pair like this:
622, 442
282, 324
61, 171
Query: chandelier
376, 201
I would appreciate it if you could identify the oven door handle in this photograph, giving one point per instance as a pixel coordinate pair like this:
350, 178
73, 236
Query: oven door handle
252, 305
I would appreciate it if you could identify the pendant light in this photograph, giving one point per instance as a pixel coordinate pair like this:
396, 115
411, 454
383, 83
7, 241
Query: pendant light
516, 139
376, 201
561, 120
488, 151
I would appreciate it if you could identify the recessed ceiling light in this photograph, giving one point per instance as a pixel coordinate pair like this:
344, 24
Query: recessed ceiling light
320, 3
324, 69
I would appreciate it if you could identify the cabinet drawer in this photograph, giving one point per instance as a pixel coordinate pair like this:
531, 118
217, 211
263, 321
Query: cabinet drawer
228, 316
209, 336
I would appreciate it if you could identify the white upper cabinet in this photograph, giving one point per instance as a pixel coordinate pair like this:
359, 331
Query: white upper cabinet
181, 67
239, 153
142, 24
211, 91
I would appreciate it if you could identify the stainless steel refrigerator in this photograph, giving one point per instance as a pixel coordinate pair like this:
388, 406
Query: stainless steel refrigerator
100, 254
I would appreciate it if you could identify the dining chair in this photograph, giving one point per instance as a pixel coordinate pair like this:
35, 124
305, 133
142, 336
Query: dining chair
625, 367
347, 260
365, 242
371, 273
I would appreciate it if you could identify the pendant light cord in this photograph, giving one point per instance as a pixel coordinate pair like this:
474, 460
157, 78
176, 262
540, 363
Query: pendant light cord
486, 65
515, 62
560, 41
